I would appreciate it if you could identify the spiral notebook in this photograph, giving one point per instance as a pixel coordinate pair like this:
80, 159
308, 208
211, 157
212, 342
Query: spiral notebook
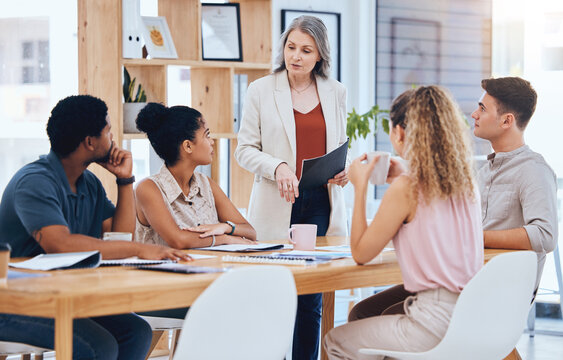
243, 247
134, 262
281, 259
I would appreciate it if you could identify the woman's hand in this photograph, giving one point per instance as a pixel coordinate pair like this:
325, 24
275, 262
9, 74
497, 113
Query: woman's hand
360, 171
396, 168
287, 183
211, 229
157, 252
340, 179
232, 239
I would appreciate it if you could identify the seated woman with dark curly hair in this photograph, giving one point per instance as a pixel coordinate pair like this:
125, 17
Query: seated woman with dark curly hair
179, 206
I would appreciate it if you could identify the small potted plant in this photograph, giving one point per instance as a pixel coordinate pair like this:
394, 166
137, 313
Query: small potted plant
359, 125
133, 102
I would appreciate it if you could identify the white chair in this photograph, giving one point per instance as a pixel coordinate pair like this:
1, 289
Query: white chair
8, 348
489, 315
163, 327
246, 314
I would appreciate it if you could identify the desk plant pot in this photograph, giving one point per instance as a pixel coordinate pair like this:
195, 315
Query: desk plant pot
133, 102
130, 112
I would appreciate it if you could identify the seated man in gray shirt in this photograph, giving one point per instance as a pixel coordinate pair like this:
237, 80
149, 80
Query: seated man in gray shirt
518, 188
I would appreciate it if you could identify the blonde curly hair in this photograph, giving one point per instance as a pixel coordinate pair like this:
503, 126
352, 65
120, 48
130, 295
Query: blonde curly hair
437, 143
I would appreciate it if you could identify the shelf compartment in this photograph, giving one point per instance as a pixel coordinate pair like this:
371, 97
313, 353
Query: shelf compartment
153, 80
183, 18
212, 95
256, 32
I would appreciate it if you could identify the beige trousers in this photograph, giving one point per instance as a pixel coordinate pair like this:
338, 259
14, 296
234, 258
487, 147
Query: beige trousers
424, 324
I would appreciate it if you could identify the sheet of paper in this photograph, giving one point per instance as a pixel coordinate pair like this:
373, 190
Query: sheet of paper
323, 254
201, 256
317, 171
344, 248
13, 274
55, 261
379, 258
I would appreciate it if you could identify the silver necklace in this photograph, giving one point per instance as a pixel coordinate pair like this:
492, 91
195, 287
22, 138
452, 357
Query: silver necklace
302, 91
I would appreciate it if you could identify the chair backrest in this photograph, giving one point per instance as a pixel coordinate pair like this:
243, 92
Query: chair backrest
247, 313
13, 348
491, 311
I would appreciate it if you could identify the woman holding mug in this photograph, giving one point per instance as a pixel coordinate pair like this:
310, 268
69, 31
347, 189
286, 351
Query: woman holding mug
432, 213
296, 113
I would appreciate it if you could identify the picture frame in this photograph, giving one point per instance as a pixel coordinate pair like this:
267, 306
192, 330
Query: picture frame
415, 60
220, 32
158, 40
332, 23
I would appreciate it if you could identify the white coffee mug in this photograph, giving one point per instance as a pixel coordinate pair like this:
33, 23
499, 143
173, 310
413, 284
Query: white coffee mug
303, 236
114, 235
381, 169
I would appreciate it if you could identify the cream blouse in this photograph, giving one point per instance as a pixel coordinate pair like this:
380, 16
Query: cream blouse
198, 207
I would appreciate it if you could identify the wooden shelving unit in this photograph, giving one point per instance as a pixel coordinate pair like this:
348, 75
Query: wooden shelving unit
101, 67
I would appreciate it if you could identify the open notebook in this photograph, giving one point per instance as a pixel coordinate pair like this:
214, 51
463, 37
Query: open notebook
243, 247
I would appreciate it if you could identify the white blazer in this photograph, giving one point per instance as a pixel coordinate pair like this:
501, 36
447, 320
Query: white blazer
267, 138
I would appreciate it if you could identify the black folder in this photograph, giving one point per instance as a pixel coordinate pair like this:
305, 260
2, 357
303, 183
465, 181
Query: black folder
317, 171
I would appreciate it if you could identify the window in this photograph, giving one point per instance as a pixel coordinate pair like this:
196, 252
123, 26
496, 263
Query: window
28, 92
27, 50
35, 61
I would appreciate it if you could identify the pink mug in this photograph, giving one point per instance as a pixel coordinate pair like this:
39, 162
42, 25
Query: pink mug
303, 236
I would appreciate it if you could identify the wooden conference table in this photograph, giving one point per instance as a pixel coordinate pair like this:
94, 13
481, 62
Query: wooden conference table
70, 294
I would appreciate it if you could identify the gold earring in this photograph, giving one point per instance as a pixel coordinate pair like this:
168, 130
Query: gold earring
400, 142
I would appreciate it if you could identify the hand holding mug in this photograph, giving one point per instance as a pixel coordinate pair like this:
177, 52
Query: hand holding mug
381, 168
360, 170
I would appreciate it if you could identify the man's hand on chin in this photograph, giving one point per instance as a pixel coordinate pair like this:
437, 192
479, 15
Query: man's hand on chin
120, 162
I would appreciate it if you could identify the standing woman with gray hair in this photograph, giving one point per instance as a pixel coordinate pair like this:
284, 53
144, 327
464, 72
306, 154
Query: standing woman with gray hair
296, 113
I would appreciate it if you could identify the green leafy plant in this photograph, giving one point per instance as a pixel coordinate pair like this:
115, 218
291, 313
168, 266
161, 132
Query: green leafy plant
360, 125
129, 89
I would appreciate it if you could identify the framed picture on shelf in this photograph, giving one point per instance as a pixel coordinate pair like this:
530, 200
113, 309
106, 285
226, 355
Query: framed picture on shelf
220, 32
158, 40
332, 23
